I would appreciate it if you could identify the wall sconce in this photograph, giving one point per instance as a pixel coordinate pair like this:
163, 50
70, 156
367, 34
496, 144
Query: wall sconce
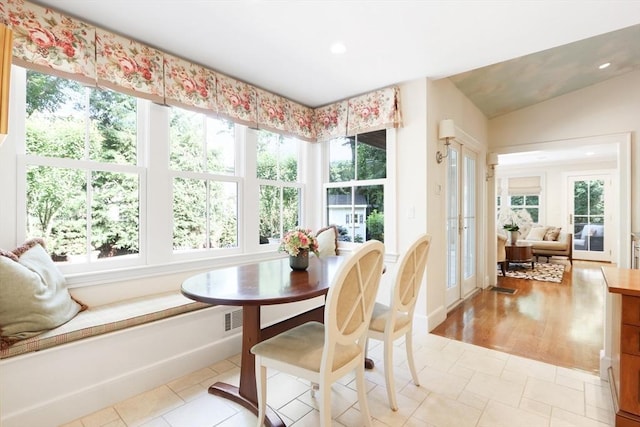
492, 161
446, 131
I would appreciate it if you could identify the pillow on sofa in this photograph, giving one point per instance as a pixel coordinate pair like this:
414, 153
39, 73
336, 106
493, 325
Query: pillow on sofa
33, 294
327, 241
537, 233
552, 233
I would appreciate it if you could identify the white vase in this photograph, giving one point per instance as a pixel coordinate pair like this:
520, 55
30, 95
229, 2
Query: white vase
514, 237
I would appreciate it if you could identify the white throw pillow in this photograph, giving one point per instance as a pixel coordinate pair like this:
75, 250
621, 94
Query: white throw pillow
537, 233
327, 241
33, 295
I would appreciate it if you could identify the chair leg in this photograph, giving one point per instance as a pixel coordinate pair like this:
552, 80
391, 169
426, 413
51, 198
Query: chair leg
325, 404
261, 386
412, 366
362, 395
388, 372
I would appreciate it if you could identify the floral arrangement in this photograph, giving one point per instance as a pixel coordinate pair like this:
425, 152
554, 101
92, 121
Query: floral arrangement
519, 220
298, 239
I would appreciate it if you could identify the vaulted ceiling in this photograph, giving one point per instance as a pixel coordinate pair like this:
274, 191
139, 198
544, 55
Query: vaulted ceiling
517, 83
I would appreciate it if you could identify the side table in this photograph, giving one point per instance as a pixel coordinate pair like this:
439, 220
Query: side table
519, 253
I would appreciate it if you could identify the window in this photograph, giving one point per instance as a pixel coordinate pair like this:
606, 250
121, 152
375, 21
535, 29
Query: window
521, 193
355, 192
82, 180
280, 189
205, 189
529, 203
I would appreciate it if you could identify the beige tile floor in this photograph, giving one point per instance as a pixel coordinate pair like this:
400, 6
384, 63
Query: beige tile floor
461, 385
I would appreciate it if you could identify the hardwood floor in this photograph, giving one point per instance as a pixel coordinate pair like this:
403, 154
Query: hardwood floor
561, 324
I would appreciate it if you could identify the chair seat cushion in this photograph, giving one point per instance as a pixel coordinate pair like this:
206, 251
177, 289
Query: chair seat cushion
302, 346
380, 315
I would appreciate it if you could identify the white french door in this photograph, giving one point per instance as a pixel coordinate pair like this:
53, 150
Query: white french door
589, 216
461, 229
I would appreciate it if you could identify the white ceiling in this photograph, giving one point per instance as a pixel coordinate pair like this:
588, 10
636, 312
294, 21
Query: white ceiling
283, 45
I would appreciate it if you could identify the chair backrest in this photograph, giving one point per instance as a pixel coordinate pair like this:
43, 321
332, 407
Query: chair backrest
404, 293
351, 298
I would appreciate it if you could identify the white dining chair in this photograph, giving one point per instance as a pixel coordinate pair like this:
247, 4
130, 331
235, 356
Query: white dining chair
324, 353
390, 322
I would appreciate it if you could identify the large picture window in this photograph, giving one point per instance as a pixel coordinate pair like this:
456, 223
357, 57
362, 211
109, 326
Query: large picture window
355, 192
82, 178
112, 181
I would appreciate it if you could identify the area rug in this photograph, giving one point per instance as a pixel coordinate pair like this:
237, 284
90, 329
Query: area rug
544, 272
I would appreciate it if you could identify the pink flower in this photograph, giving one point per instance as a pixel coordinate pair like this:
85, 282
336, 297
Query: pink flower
127, 65
188, 85
235, 101
42, 37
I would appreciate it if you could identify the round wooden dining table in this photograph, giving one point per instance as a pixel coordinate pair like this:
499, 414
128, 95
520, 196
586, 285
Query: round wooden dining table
252, 286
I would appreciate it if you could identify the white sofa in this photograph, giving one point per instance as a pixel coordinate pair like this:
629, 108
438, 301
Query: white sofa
563, 246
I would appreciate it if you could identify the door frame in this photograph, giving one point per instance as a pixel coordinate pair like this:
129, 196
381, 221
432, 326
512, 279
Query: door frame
622, 144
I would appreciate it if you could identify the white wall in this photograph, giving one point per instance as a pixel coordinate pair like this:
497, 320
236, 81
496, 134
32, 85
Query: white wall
421, 180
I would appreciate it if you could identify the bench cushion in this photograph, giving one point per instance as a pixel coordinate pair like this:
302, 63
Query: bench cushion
108, 318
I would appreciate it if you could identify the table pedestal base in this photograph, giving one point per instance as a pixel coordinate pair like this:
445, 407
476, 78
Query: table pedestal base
232, 393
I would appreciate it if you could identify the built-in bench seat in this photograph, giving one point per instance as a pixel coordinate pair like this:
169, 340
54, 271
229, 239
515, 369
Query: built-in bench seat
108, 318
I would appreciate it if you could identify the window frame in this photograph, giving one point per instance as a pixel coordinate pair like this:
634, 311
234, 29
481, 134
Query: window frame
389, 188
236, 178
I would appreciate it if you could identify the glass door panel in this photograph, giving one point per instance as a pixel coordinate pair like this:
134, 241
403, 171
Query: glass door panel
461, 223
453, 241
588, 218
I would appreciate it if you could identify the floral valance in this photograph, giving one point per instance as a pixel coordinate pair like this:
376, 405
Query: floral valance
301, 121
273, 112
374, 111
331, 121
188, 85
48, 41
236, 100
129, 66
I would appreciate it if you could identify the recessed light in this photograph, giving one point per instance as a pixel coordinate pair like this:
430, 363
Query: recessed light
605, 65
590, 153
338, 48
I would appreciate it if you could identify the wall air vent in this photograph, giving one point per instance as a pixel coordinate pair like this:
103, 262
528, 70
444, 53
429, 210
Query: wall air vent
232, 320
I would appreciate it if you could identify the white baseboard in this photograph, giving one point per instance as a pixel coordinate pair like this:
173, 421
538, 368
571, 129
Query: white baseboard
605, 364
436, 317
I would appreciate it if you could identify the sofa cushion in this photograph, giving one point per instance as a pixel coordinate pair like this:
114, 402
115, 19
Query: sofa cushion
537, 233
327, 241
33, 294
552, 233
548, 245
